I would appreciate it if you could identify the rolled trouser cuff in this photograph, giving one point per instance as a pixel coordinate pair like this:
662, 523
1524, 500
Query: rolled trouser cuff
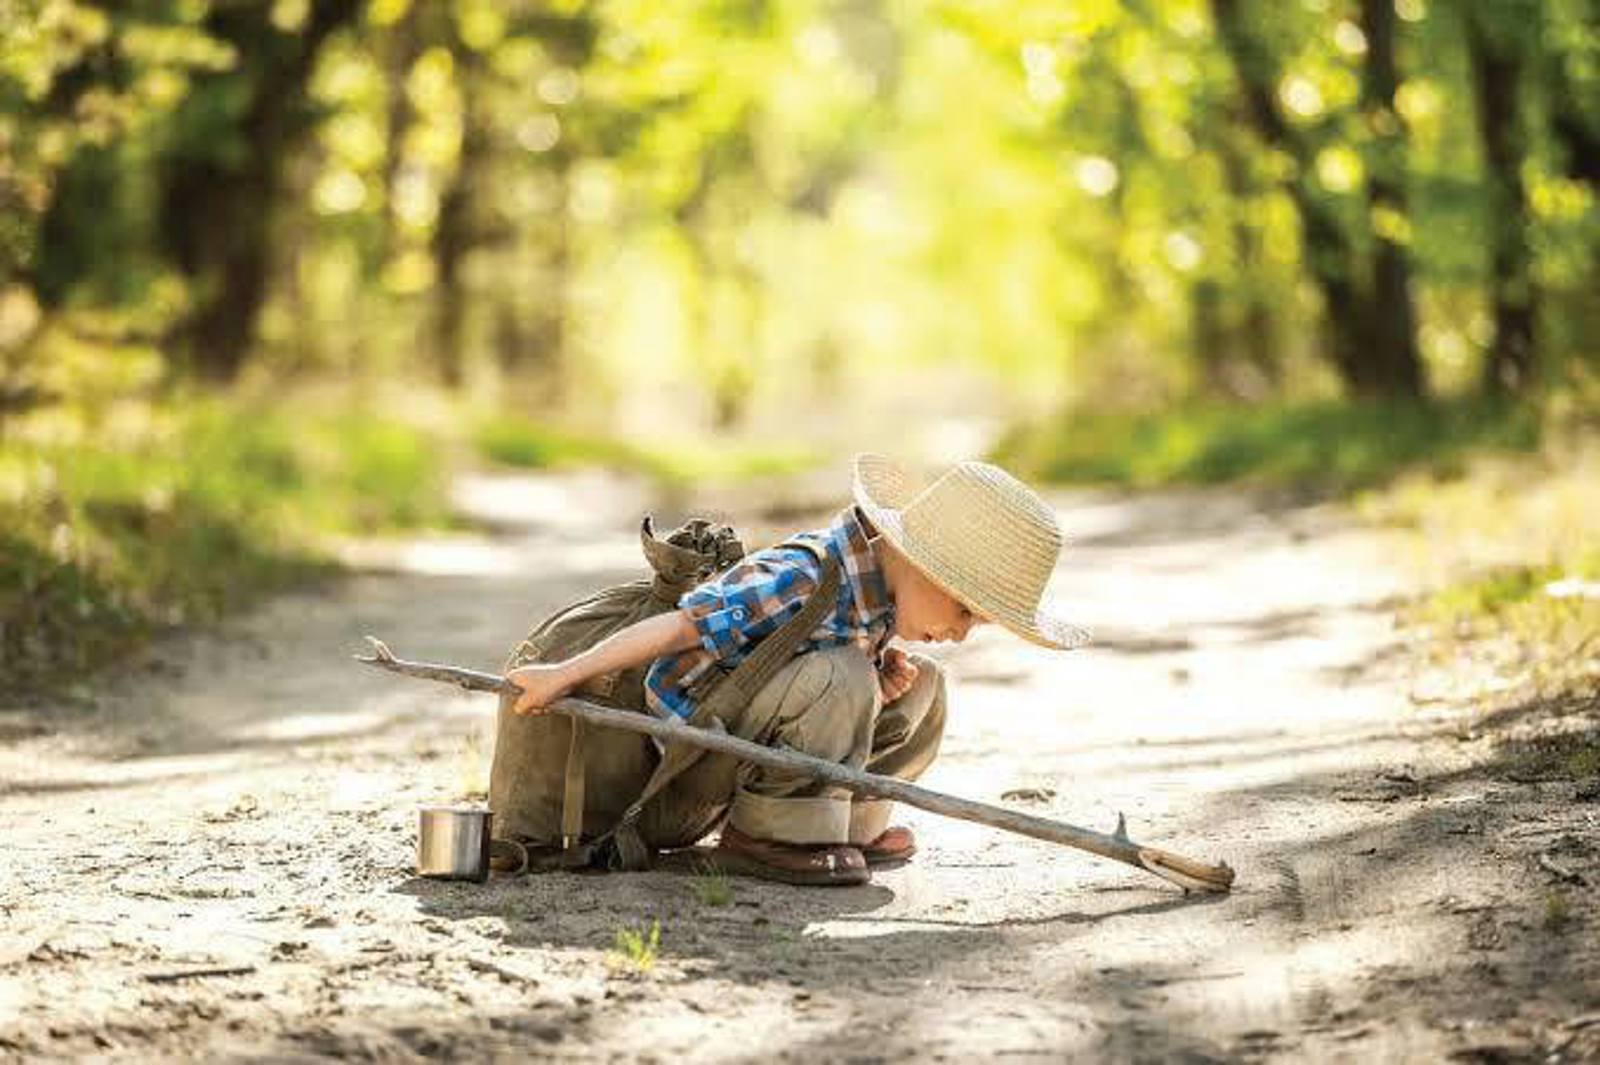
799, 820
869, 819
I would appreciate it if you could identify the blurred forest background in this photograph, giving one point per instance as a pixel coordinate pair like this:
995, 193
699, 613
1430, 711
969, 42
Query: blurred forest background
267, 269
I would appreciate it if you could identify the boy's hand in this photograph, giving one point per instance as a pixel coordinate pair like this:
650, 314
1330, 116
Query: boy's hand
897, 674
541, 684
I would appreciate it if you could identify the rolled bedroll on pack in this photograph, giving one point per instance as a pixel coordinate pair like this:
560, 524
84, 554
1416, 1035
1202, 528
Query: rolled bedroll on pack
1187, 873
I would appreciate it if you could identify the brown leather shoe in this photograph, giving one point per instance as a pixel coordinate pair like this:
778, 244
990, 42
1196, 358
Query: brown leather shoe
894, 847
816, 865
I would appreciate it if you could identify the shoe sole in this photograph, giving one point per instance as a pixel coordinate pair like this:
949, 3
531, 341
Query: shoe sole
889, 861
740, 865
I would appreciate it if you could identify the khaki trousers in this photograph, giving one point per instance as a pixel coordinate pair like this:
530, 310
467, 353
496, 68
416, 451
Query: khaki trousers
824, 703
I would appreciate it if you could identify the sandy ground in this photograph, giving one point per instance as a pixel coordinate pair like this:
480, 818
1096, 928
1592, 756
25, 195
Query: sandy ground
210, 855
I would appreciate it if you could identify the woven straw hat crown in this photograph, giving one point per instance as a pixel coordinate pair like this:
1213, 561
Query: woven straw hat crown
977, 532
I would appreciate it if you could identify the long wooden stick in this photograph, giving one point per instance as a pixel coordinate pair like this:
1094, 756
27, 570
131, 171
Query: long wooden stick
1185, 872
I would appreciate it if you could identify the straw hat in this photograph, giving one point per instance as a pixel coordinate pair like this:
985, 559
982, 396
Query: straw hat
978, 533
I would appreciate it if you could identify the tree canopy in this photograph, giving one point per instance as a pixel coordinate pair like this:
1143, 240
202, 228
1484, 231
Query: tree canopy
701, 204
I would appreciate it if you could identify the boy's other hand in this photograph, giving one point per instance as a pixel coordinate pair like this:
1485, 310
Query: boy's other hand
541, 685
896, 675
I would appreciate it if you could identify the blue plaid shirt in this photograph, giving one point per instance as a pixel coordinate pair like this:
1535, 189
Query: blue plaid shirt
749, 601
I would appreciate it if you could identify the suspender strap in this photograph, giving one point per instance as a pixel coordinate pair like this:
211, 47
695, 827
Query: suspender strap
572, 795
769, 656
733, 693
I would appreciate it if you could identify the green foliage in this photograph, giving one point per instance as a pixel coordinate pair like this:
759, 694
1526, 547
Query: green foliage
712, 888
54, 615
752, 196
1557, 911
87, 91
515, 441
1491, 594
1571, 755
180, 514
1509, 548
1532, 630
1584, 763
1545, 636
370, 473
636, 948
1328, 445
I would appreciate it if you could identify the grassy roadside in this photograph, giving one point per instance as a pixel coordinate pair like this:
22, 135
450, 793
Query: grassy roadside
130, 521
1503, 505
121, 520
1511, 552
1322, 447
518, 442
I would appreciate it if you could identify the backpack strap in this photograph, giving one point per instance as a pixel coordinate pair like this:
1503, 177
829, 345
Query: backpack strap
572, 791
760, 665
735, 690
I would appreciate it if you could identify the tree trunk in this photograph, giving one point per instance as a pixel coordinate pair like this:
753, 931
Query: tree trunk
1496, 87
1579, 140
1394, 358
728, 382
1257, 327
532, 334
1349, 310
1574, 121
216, 208
1326, 248
404, 46
455, 232
55, 245
1209, 340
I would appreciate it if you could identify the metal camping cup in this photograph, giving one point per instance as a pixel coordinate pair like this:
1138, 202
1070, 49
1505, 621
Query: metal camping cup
453, 842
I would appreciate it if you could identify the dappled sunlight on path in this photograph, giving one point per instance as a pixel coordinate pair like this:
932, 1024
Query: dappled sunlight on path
250, 807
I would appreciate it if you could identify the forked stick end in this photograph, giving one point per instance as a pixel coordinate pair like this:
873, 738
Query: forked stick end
380, 651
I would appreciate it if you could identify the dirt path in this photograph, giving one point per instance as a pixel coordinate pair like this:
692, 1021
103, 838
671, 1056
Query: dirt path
211, 857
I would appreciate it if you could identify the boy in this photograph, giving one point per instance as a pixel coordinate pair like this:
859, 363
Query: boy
925, 563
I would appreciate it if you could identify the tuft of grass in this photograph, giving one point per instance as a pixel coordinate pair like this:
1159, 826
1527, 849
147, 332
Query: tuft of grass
1519, 601
1493, 593
473, 762
1327, 446
1584, 763
1563, 756
636, 948
1557, 911
712, 888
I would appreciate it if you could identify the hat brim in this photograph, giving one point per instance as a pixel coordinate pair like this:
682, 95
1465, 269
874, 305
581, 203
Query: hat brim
882, 489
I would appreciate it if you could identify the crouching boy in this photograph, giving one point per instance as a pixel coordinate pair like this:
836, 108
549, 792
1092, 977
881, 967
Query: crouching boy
921, 563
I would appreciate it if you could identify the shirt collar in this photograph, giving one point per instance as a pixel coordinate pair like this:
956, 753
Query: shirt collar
863, 571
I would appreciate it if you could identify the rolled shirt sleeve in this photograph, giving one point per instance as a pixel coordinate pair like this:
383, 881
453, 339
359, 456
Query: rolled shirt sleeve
751, 600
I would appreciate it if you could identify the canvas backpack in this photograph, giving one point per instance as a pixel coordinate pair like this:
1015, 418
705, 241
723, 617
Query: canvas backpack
539, 781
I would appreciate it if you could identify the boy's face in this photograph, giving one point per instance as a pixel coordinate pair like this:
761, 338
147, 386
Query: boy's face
925, 613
